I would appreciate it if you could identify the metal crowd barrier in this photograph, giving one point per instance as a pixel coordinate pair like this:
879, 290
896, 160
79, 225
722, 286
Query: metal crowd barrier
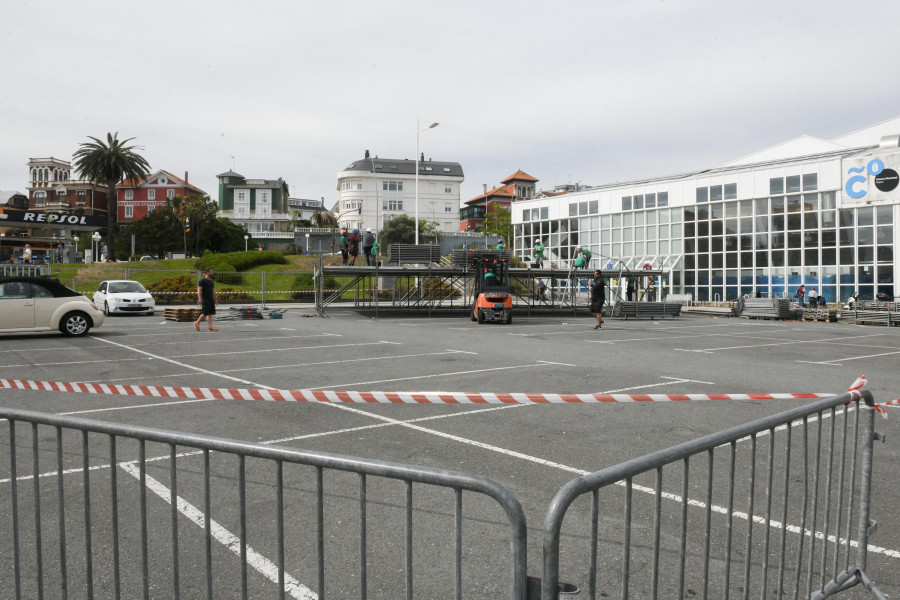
794, 535
65, 492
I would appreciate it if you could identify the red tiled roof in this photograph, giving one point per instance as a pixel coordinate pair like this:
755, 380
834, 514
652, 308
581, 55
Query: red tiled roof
498, 192
519, 175
130, 183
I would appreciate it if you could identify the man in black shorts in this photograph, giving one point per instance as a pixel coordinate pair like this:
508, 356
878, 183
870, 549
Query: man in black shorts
206, 298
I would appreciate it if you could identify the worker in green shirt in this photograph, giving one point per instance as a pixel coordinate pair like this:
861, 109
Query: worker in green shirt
538, 254
500, 244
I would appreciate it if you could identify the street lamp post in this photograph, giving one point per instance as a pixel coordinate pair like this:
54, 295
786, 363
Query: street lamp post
75, 239
307, 243
95, 243
418, 131
246, 237
2, 235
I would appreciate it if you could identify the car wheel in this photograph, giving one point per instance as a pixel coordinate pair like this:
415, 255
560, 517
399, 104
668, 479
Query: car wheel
480, 316
75, 324
106, 308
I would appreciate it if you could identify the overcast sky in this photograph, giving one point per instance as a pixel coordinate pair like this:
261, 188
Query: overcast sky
591, 92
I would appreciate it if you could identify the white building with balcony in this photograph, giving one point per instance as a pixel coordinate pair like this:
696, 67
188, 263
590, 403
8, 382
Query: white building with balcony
374, 190
260, 206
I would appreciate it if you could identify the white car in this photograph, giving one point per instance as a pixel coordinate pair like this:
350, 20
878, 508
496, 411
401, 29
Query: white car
124, 296
37, 304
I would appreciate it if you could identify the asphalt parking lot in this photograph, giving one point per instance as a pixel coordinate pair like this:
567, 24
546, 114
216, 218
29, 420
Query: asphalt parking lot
531, 448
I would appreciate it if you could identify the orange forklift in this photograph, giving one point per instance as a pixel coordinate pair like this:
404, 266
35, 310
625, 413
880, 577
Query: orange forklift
493, 301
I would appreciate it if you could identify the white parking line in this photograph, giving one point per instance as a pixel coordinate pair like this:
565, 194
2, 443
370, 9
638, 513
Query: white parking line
411, 377
708, 350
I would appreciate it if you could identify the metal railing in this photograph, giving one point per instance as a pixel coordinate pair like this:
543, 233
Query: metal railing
64, 492
661, 543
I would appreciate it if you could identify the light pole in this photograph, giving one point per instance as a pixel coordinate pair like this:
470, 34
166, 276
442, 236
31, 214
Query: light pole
307, 243
75, 239
95, 243
246, 237
418, 131
2, 235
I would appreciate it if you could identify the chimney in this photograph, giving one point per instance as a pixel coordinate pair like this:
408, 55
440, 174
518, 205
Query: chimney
367, 154
186, 177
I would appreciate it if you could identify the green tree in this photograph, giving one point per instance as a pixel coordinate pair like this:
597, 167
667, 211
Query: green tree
200, 212
227, 236
110, 163
499, 222
323, 218
400, 230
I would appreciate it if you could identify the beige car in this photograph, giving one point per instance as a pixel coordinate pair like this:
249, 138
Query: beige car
37, 304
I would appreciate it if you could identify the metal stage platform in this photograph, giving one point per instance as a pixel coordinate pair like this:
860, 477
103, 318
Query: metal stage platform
439, 289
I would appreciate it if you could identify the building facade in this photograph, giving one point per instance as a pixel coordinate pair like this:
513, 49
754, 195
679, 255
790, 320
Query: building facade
260, 206
821, 213
137, 199
51, 187
518, 186
373, 190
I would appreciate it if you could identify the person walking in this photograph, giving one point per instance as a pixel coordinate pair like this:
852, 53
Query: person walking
598, 297
368, 242
801, 292
26, 254
343, 247
813, 297
629, 289
538, 254
353, 246
104, 252
206, 298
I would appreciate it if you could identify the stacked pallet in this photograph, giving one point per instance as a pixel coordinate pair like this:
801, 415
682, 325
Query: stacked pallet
182, 314
767, 308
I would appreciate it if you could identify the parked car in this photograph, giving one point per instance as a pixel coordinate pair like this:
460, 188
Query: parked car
38, 304
124, 296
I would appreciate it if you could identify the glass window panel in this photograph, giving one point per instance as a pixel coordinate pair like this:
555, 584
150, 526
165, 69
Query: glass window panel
689, 213
703, 229
639, 218
676, 247
639, 233
762, 206
717, 261
866, 255
662, 216
663, 246
746, 259
846, 217
730, 191
663, 232
776, 186
716, 227
847, 256
731, 226
811, 256
628, 219
865, 236
690, 229
545, 212
777, 240
638, 202
605, 221
605, 236
638, 248
627, 234
702, 194
731, 243
595, 222
778, 205
777, 258
762, 259
731, 260
795, 240
690, 245
865, 216
717, 211
593, 207
616, 221
716, 243
731, 210
703, 244
847, 237
746, 208
829, 256
777, 222
662, 199
746, 224
676, 231
626, 202
865, 274
703, 261
617, 235
792, 183
649, 200
627, 250
829, 237
794, 203
605, 249
762, 224
885, 234
811, 220
885, 254
811, 239
715, 193
885, 215
794, 222
573, 209
762, 241
828, 218
583, 208
810, 202
810, 181
651, 217
747, 242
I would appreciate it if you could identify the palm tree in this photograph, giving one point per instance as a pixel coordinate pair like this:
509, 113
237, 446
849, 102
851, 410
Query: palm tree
110, 163
323, 218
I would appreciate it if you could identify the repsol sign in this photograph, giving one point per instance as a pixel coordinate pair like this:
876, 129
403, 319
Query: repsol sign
49, 218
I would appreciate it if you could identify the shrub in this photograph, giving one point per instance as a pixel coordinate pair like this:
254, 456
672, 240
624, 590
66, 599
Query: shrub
240, 261
173, 290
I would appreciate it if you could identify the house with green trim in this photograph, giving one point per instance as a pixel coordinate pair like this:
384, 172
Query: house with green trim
260, 206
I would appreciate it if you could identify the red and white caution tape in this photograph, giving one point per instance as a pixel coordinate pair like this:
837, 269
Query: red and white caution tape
343, 396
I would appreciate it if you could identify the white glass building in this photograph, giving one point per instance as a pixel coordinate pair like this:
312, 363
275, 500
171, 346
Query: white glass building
809, 211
